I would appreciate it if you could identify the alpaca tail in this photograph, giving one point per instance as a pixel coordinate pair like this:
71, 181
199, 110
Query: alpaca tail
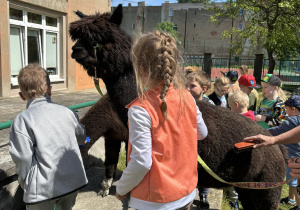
284, 152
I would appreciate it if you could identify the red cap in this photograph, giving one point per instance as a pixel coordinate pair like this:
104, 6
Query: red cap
248, 80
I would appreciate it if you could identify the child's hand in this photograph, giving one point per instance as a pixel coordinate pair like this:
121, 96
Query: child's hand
120, 197
260, 117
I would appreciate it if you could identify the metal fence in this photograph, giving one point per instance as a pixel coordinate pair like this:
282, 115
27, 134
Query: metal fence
288, 71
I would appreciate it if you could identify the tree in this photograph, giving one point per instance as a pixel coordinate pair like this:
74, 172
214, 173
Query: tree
273, 25
190, 1
168, 27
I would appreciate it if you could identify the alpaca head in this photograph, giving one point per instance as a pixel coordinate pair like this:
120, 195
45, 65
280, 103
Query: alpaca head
100, 43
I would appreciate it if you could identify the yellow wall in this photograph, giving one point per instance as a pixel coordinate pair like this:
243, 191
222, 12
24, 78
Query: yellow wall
79, 79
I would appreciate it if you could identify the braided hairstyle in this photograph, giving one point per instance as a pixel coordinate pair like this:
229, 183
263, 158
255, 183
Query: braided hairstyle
154, 57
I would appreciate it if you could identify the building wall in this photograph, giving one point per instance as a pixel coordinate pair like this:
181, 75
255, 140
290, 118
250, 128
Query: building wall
4, 52
71, 75
79, 79
202, 36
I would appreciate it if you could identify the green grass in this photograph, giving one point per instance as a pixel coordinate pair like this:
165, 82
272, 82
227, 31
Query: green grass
122, 161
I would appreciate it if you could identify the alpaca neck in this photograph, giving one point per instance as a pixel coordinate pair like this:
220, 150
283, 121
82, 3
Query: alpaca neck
122, 91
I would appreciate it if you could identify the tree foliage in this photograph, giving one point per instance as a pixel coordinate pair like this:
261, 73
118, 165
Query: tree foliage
273, 25
168, 27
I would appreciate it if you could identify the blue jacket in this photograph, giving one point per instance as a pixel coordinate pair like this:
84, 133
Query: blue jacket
288, 124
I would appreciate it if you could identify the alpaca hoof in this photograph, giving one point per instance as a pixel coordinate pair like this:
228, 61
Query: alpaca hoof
106, 184
103, 193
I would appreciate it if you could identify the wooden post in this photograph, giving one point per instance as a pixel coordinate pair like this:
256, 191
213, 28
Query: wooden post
207, 64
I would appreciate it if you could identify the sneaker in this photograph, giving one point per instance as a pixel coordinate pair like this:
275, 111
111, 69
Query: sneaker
234, 205
295, 208
288, 201
203, 202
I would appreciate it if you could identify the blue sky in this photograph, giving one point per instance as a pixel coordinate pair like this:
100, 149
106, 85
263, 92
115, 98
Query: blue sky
115, 3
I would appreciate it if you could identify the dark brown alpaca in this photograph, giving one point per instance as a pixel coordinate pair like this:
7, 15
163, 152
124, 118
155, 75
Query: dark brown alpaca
225, 127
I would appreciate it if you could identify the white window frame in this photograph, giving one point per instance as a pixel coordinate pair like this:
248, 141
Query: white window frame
171, 13
42, 30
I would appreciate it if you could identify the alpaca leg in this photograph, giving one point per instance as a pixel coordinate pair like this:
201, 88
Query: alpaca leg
112, 150
259, 199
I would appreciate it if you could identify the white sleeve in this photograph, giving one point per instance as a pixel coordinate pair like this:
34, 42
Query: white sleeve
201, 127
139, 123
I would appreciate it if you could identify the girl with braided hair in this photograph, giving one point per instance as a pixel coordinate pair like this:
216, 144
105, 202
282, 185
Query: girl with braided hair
164, 125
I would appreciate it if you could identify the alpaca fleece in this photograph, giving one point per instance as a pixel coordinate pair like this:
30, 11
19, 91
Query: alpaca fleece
112, 63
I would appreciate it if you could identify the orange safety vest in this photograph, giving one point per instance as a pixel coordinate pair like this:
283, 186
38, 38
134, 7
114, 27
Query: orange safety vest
173, 174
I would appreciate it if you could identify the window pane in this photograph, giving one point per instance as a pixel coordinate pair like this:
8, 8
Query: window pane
34, 18
33, 46
15, 14
51, 21
15, 51
51, 53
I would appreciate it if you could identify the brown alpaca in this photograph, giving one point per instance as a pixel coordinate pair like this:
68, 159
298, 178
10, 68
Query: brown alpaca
112, 64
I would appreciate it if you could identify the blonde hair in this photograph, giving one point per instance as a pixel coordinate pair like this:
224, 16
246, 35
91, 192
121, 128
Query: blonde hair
243, 69
239, 97
190, 69
281, 94
33, 81
234, 88
201, 77
156, 54
221, 81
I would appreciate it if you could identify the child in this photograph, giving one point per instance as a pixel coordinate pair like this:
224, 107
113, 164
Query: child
247, 84
292, 106
44, 145
164, 125
243, 69
233, 77
238, 102
271, 112
220, 95
198, 82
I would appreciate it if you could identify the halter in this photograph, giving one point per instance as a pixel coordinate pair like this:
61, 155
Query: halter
96, 78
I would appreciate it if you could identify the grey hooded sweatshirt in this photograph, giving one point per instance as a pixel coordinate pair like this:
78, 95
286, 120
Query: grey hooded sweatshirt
44, 146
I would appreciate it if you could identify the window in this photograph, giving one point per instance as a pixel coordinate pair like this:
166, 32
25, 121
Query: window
133, 26
241, 11
240, 26
194, 25
16, 14
51, 55
171, 12
175, 27
16, 50
34, 38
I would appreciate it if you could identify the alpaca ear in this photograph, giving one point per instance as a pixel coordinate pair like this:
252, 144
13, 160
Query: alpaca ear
117, 16
80, 14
